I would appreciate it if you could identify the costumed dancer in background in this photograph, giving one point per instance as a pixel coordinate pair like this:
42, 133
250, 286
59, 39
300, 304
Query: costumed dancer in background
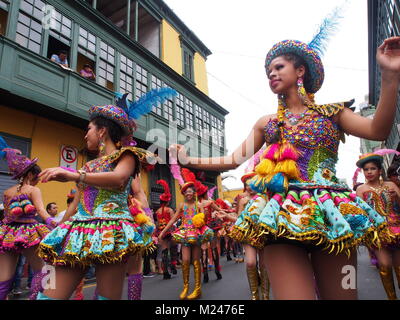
249, 208
164, 214
192, 233
103, 231
312, 224
383, 196
20, 232
209, 208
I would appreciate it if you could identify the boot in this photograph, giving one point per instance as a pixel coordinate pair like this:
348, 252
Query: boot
36, 285
173, 251
387, 281
165, 264
252, 277
216, 263
197, 281
5, 288
228, 255
134, 286
185, 276
173, 267
265, 284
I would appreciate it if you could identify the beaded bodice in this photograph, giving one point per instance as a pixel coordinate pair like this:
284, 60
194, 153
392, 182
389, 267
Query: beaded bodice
188, 214
317, 139
163, 217
102, 203
380, 200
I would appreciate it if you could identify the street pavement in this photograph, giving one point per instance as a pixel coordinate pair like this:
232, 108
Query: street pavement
234, 285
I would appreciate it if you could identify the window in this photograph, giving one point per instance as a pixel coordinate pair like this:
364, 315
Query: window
180, 110
157, 84
141, 81
189, 114
187, 57
199, 119
3, 16
214, 130
33, 8
29, 32
126, 76
87, 44
221, 130
106, 66
61, 28
169, 110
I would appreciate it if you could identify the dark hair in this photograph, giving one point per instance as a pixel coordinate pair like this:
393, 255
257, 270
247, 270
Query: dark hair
49, 205
298, 62
392, 170
35, 170
63, 52
375, 162
114, 130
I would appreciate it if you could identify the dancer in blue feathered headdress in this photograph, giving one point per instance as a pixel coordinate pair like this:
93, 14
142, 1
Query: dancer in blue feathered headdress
311, 223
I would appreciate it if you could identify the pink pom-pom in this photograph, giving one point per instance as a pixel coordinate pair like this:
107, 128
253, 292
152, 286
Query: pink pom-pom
271, 152
134, 211
17, 211
29, 209
288, 153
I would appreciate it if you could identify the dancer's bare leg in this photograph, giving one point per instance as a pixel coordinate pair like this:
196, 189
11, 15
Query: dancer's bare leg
336, 275
8, 263
66, 281
290, 272
110, 280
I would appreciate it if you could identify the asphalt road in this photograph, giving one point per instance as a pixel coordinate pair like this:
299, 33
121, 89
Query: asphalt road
234, 285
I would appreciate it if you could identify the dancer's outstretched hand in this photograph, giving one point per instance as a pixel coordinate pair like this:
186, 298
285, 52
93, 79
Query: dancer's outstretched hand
58, 174
388, 55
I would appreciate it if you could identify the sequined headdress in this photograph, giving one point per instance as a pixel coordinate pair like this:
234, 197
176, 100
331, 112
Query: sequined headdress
18, 164
124, 112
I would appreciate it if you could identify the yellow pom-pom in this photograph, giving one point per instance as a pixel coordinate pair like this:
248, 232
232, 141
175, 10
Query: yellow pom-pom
289, 168
141, 218
198, 220
265, 167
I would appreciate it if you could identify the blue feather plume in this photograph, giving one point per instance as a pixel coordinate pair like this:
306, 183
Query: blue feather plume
146, 103
3, 145
327, 28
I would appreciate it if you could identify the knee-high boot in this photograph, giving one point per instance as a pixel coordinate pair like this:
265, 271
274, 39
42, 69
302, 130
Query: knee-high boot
185, 276
174, 258
387, 281
215, 257
265, 284
36, 285
252, 277
204, 263
165, 264
5, 288
135, 286
197, 281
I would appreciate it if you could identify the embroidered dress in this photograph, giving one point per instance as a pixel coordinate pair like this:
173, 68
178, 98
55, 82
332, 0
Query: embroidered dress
103, 229
187, 234
19, 229
318, 209
381, 201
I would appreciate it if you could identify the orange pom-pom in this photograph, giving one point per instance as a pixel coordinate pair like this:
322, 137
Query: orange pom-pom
198, 220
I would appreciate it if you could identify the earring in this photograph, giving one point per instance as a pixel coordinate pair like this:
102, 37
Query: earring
301, 91
102, 148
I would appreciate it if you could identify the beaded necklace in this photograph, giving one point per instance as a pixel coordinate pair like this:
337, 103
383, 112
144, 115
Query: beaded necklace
294, 119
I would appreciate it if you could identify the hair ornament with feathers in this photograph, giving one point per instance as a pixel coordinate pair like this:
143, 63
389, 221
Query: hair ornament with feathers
166, 196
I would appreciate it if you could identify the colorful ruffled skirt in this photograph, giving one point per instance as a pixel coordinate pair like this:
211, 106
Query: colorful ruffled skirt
97, 241
16, 236
329, 219
189, 235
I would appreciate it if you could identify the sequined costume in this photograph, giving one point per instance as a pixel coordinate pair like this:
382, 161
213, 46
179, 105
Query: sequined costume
213, 223
103, 229
381, 201
163, 217
318, 209
187, 234
22, 231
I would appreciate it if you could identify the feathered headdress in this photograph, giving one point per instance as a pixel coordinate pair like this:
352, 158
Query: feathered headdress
189, 178
210, 192
166, 196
